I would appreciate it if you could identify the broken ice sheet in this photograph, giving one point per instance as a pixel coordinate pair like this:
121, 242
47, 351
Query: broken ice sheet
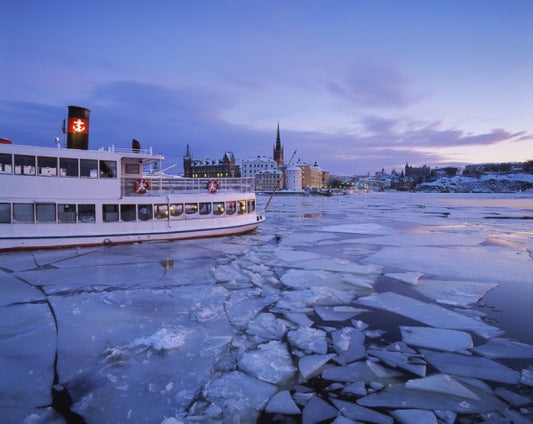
310, 340
414, 416
317, 410
368, 228
441, 383
400, 359
410, 278
455, 293
270, 362
349, 343
239, 395
357, 412
471, 366
436, 338
337, 313
282, 403
268, 326
505, 348
311, 366
433, 315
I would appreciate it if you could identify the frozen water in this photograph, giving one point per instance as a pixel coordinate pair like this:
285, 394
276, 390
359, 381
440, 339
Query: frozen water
436, 338
505, 348
282, 403
311, 366
471, 366
454, 293
441, 383
270, 362
227, 329
414, 416
427, 313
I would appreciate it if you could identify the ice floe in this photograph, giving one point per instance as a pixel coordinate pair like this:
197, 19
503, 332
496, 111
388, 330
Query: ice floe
504, 348
410, 278
349, 343
282, 403
436, 338
441, 383
368, 228
471, 366
454, 293
433, 315
311, 365
414, 416
309, 340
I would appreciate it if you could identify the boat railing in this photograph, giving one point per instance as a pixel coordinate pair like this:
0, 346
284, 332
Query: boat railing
164, 185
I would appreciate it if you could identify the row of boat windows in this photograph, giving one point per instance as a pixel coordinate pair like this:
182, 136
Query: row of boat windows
53, 166
71, 213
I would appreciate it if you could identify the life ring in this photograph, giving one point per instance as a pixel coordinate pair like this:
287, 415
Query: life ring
213, 186
142, 185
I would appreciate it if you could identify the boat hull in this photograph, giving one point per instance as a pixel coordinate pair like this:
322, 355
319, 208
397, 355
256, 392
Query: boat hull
34, 242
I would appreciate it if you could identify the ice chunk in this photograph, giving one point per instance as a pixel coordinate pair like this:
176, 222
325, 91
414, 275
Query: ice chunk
270, 362
291, 255
526, 377
433, 315
299, 319
342, 420
414, 416
436, 338
266, 325
163, 340
242, 307
317, 410
368, 228
399, 359
455, 293
471, 366
282, 403
381, 371
362, 281
513, 398
337, 313
300, 300
349, 343
410, 278
356, 371
311, 366
505, 348
238, 394
310, 340
401, 397
357, 388
356, 412
441, 383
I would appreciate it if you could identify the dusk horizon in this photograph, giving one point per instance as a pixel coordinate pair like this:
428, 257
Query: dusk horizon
354, 86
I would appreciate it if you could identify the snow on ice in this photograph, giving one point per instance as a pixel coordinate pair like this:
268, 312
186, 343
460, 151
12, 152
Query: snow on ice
379, 307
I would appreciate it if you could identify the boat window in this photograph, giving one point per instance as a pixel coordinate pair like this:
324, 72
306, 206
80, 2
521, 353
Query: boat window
22, 212
176, 209
5, 213
110, 213
218, 208
46, 212
145, 212
132, 168
88, 168
86, 213
231, 207
205, 208
161, 211
66, 213
68, 167
6, 163
46, 166
24, 165
191, 208
251, 205
108, 169
127, 213
242, 207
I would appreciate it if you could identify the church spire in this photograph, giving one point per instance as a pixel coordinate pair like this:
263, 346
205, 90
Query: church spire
278, 151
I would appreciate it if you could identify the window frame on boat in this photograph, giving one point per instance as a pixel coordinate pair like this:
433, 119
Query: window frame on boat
23, 161
6, 160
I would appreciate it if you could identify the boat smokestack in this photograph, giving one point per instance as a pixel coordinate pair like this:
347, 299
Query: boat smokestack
78, 128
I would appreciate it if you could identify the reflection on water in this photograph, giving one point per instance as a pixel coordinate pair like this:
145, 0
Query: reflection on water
311, 215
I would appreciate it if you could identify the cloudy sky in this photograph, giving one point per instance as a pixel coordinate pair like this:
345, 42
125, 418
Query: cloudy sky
356, 85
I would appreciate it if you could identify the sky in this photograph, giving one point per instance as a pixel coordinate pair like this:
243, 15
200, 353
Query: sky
355, 85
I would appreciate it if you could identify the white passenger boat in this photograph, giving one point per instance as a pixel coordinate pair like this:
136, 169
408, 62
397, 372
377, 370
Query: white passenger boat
60, 197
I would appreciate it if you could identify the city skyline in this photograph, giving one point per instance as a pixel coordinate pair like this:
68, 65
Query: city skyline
355, 85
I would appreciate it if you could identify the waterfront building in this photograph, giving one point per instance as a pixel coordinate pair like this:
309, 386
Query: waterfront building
312, 175
253, 166
224, 168
269, 180
293, 178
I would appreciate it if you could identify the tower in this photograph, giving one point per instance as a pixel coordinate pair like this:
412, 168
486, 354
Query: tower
187, 163
278, 151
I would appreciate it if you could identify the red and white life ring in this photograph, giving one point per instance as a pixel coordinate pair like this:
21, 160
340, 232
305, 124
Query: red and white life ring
142, 185
213, 186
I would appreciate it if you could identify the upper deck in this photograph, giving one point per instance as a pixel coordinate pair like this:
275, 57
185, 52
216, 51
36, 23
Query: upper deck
37, 173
